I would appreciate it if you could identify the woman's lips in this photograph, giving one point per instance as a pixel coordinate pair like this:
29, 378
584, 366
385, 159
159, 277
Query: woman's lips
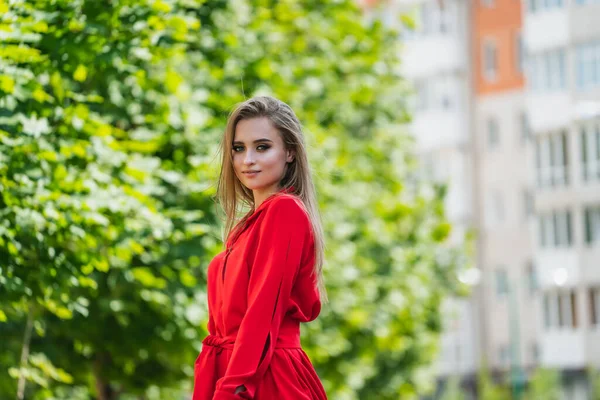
251, 174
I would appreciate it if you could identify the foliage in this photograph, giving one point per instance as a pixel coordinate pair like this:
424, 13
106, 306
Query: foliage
544, 384
453, 390
110, 115
490, 390
594, 378
98, 242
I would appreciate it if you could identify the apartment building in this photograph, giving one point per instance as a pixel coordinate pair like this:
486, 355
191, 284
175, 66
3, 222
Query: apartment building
435, 59
562, 40
508, 112
504, 190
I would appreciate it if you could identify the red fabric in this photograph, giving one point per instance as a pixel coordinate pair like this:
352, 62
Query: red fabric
259, 291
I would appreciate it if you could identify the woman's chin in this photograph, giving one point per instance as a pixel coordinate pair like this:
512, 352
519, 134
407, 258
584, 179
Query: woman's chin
252, 185
258, 187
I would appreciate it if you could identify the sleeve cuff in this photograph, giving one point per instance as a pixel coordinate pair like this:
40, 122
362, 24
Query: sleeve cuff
223, 395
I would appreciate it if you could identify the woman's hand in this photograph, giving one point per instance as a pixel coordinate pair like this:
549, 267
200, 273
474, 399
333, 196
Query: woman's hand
240, 389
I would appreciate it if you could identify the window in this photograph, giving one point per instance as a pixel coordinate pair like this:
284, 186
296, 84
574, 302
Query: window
501, 282
444, 91
547, 71
595, 306
552, 160
584, 2
494, 209
434, 19
558, 159
425, 18
532, 5
528, 203
534, 349
560, 310
567, 315
550, 313
519, 53
543, 231
524, 128
590, 151
532, 282
503, 355
498, 206
562, 228
535, 352
573, 308
587, 62
490, 60
493, 133
555, 229
544, 5
592, 224
422, 95
446, 13
436, 93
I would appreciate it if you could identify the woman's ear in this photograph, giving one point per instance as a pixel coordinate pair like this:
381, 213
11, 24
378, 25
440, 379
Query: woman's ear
291, 154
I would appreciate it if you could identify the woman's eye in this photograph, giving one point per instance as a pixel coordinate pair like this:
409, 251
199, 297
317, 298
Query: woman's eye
262, 147
237, 149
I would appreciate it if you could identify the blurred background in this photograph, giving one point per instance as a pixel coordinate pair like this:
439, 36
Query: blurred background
507, 111
455, 148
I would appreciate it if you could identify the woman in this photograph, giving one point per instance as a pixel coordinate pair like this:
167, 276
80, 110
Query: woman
268, 280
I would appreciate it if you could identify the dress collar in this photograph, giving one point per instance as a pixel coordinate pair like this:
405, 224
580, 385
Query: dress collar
285, 190
255, 213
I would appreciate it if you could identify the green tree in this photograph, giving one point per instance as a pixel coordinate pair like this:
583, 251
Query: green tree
452, 390
110, 115
490, 390
103, 232
544, 384
594, 378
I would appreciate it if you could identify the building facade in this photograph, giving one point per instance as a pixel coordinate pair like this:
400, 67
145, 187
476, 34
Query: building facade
435, 59
501, 138
562, 39
507, 111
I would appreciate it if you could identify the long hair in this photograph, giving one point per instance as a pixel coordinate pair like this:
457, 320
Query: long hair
233, 196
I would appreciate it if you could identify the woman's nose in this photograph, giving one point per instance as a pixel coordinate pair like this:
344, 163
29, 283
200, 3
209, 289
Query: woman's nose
249, 158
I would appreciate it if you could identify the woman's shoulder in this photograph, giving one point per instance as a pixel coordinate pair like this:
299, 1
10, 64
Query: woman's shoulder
287, 209
288, 203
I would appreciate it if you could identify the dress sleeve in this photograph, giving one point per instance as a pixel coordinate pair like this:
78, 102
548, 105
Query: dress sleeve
283, 233
211, 324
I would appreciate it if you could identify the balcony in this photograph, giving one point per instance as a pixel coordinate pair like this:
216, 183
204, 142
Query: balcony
430, 55
551, 177
457, 352
593, 345
558, 267
436, 129
591, 171
546, 29
590, 260
563, 348
584, 21
549, 111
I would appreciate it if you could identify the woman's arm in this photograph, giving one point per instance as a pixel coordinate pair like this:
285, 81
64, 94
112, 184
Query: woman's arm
284, 232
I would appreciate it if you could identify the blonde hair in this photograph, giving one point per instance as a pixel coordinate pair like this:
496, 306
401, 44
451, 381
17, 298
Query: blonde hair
233, 196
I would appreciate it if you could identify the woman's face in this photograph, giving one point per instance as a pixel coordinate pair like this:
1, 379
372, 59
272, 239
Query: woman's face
259, 156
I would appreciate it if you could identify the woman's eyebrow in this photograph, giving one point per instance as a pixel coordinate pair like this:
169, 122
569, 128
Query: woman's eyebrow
256, 141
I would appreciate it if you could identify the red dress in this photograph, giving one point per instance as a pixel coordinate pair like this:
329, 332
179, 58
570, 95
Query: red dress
259, 291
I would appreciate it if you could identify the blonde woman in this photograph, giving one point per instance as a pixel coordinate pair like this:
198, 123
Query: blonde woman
269, 279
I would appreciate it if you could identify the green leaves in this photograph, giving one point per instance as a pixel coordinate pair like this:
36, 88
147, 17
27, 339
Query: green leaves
107, 170
41, 371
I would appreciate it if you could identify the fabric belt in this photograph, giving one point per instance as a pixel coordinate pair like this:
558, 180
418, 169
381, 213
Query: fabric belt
221, 343
217, 341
